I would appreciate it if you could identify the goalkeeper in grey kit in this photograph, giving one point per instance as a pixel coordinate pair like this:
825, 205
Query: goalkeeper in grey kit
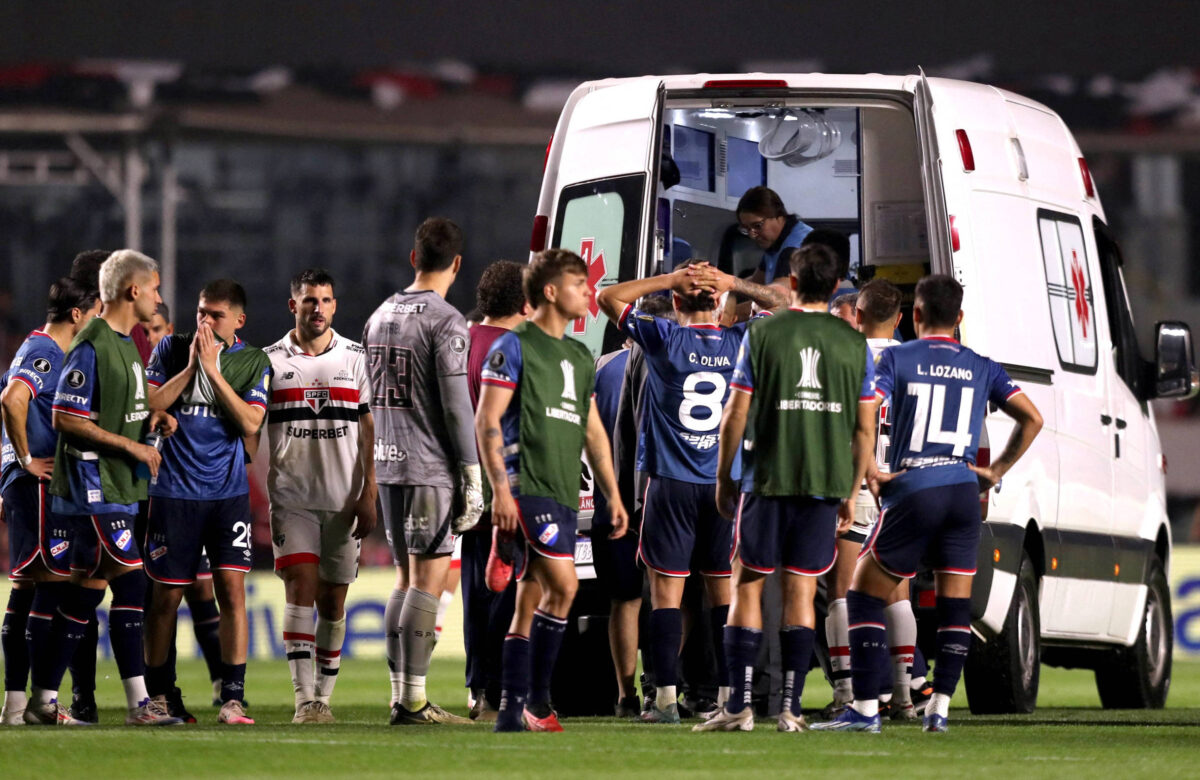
426, 464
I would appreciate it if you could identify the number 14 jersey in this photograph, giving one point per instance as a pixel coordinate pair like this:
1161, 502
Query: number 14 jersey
939, 392
687, 384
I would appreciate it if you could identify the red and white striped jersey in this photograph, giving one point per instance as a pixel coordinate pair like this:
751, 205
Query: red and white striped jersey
313, 424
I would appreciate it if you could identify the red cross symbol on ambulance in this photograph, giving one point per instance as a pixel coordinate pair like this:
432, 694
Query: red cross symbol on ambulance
1080, 284
596, 270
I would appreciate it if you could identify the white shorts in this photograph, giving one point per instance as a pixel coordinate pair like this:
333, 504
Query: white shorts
316, 536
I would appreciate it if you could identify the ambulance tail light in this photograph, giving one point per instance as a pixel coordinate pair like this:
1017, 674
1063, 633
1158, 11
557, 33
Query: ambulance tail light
1085, 172
955, 244
964, 149
745, 84
537, 240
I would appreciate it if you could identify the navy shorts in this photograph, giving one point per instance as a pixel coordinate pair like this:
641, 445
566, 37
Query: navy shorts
180, 530
799, 532
938, 526
111, 533
549, 529
682, 530
33, 530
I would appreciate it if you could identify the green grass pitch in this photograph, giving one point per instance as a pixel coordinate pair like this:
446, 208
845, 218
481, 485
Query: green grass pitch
1069, 736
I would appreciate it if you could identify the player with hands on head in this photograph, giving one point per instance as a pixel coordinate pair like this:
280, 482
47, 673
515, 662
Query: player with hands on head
930, 499
536, 416
321, 483
428, 469
690, 363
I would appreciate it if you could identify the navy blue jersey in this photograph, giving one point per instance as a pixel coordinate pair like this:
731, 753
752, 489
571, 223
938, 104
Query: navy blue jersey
939, 391
505, 371
205, 459
36, 365
689, 369
76, 394
610, 375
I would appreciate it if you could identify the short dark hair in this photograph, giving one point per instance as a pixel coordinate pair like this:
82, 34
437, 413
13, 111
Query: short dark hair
939, 298
499, 293
879, 301
658, 306
701, 301
224, 291
816, 270
762, 201
838, 242
164, 310
66, 294
547, 267
845, 299
312, 277
437, 243
86, 267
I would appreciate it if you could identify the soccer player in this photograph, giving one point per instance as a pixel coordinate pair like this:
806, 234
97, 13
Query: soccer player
535, 417
38, 540
939, 391
486, 615
215, 385
429, 474
808, 445
321, 482
101, 470
690, 363
877, 314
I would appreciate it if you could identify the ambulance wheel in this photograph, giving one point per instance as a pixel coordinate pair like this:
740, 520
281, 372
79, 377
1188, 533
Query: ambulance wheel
1002, 674
1139, 677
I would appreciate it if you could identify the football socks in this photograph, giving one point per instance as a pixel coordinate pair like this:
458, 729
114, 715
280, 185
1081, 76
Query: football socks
666, 633
391, 627
330, 636
417, 621
545, 640
796, 643
299, 643
868, 649
741, 654
953, 643
12, 638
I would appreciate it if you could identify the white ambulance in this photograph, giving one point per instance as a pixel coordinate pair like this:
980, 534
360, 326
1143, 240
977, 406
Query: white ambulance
950, 177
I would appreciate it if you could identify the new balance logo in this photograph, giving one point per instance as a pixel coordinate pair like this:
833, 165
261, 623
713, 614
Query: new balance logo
568, 370
810, 357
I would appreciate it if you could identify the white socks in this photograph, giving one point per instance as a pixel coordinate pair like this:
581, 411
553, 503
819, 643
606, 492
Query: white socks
665, 696
330, 636
299, 642
443, 604
902, 640
939, 704
868, 708
135, 691
837, 634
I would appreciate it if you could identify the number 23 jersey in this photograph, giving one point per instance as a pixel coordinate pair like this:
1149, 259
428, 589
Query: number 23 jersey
939, 392
690, 368
313, 424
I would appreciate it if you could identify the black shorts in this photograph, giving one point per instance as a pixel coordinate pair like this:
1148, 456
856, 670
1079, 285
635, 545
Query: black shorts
615, 561
549, 530
798, 532
92, 535
179, 531
34, 531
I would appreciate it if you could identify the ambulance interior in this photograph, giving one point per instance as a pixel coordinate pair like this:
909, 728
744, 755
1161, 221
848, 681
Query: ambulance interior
850, 168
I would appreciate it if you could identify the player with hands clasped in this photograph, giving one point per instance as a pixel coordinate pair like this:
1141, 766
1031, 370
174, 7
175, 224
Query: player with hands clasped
536, 415
428, 470
321, 484
939, 391
690, 364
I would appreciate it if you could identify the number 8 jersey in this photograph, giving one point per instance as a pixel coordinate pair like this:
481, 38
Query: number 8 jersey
939, 392
687, 384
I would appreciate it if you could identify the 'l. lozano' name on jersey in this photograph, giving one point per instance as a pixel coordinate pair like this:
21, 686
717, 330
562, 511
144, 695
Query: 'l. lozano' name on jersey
946, 372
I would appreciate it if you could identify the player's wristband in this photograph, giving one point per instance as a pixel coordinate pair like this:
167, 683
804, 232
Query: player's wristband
24, 460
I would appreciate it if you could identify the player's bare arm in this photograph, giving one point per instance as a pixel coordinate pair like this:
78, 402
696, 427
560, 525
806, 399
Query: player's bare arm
1029, 424
599, 453
493, 400
87, 430
247, 417
365, 514
767, 296
863, 448
613, 300
14, 411
733, 427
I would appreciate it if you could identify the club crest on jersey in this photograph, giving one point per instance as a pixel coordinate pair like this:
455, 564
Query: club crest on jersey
41, 365
59, 547
317, 399
549, 534
810, 357
123, 539
568, 370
